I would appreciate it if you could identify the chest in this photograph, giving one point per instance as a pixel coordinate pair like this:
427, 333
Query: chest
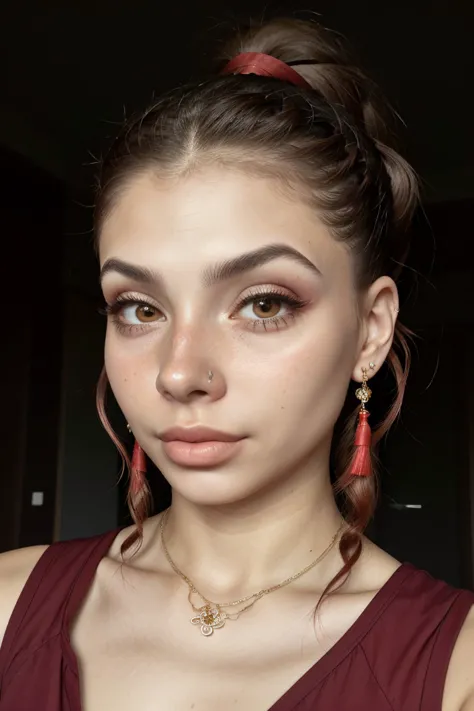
152, 659
172, 683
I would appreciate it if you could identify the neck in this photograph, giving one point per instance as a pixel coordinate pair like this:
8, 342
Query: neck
232, 550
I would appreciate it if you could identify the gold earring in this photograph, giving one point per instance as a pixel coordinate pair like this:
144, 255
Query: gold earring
361, 464
364, 393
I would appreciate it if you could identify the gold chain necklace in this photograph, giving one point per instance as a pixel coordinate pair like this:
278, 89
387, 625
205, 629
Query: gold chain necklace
212, 616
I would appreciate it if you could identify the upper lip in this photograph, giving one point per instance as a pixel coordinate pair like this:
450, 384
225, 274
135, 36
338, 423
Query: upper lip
197, 434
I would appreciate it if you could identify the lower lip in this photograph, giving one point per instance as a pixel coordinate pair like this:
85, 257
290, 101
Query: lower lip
201, 454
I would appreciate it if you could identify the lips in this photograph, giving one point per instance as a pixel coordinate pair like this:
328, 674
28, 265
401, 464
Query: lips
197, 434
200, 447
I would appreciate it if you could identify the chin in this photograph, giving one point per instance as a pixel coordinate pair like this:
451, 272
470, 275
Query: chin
211, 487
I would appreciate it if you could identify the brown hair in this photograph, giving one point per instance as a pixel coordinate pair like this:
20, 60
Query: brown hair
332, 145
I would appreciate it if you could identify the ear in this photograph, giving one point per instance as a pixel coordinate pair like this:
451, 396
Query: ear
378, 314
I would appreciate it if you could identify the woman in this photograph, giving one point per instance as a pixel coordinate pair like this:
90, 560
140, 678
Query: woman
250, 230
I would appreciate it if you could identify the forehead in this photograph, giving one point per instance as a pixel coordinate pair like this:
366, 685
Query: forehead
211, 214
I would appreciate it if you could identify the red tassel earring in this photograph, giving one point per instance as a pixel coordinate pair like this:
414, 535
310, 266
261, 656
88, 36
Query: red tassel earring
362, 462
137, 469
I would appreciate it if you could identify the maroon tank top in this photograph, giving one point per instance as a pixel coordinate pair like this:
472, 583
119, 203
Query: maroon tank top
393, 658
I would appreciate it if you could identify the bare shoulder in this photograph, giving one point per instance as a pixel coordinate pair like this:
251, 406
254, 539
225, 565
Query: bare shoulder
374, 568
459, 688
142, 553
15, 568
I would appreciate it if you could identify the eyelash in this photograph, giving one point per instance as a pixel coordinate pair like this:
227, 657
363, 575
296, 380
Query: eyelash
293, 304
113, 311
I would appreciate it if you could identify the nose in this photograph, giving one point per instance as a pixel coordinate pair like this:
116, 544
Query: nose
188, 371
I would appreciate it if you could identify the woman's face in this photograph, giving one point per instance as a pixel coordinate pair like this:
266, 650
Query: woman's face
219, 273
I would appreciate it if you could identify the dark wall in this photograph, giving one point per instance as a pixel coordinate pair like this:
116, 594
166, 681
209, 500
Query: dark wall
427, 459
88, 465
31, 208
426, 463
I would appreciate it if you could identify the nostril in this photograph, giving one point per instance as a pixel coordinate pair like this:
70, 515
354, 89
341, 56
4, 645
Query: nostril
198, 394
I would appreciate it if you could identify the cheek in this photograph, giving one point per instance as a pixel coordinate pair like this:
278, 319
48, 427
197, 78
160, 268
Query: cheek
305, 383
124, 369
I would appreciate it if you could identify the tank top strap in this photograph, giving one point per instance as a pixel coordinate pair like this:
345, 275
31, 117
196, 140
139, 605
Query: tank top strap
409, 649
447, 635
58, 583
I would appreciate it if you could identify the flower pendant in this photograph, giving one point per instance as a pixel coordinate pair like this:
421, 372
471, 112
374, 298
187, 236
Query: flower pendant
210, 619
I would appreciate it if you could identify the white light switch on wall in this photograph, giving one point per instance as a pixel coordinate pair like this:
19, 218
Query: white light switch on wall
37, 498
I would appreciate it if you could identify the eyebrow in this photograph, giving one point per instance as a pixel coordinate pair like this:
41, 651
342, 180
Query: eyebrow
251, 260
132, 271
222, 271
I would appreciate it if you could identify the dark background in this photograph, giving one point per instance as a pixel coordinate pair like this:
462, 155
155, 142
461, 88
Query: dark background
70, 71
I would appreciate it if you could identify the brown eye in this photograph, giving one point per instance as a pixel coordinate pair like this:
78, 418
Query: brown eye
266, 307
135, 313
146, 314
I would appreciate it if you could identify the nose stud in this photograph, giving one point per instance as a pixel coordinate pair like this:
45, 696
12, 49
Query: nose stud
210, 376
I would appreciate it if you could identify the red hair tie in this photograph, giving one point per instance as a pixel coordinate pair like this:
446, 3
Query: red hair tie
264, 65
